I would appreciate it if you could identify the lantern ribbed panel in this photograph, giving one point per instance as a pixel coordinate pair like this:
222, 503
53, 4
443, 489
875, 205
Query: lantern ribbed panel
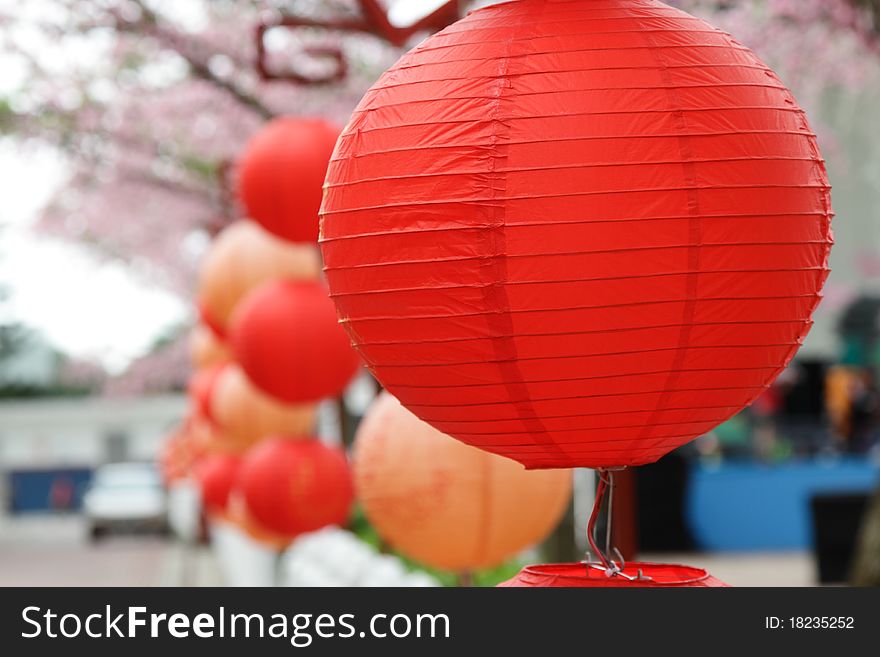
577, 233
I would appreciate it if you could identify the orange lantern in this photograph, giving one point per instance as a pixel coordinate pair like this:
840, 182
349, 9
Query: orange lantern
206, 349
241, 258
201, 389
247, 415
447, 504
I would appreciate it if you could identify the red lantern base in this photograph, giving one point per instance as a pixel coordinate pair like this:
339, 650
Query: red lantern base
578, 575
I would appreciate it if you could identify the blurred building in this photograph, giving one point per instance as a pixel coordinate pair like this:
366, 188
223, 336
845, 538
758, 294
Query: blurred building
47, 442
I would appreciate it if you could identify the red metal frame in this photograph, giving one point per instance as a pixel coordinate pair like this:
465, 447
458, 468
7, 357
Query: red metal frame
374, 20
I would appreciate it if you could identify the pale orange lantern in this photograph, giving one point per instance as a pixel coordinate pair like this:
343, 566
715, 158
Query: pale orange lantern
241, 258
206, 349
247, 415
447, 504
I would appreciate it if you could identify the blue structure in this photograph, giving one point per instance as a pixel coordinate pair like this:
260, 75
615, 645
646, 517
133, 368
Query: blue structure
753, 506
56, 489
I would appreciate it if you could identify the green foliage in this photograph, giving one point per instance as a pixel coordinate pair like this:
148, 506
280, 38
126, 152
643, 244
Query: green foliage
361, 527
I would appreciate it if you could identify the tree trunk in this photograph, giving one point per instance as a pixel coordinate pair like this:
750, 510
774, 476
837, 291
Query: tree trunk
866, 565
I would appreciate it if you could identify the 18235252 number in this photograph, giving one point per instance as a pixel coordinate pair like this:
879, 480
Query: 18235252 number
821, 622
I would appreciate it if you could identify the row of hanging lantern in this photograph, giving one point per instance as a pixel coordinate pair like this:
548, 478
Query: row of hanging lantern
269, 346
250, 445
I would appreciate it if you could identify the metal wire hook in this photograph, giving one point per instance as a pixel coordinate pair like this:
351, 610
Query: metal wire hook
611, 561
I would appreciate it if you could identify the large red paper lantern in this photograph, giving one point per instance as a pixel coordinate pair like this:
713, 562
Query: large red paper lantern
577, 575
286, 337
446, 504
291, 487
577, 233
280, 173
216, 474
243, 257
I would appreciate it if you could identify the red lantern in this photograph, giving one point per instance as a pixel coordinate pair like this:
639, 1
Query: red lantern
576, 575
281, 172
287, 339
296, 486
201, 388
577, 233
216, 474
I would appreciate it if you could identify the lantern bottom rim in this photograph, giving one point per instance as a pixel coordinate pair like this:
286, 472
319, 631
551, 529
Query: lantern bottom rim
580, 575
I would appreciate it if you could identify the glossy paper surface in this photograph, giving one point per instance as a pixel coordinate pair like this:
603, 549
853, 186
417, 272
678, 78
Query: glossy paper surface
577, 233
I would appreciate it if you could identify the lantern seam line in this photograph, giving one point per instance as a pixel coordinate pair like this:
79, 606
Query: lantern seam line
563, 140
582, 280
565, 167
594, 355
608, 192
577, 378
386, 318
628, 329
591, 69
636, 393
572, 35
563, 254
569, 222
713, 407
638, 425
423, 124
526, 94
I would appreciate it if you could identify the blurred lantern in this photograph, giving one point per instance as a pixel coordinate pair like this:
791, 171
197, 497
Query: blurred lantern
201, 389
444, 503
239, 515
247, 415
216, 474
577, 233
181, 450
242, 258
206, 349
291, 487
286, 337
281, 172
210, 439
647, 575
168, 460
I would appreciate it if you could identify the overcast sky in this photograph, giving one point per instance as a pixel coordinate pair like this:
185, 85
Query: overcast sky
85, 306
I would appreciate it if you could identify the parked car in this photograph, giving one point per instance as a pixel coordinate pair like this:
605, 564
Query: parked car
125, 497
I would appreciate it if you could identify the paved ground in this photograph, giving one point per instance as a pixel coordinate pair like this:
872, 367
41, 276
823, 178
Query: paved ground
55, 551
750, 569
47, 551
